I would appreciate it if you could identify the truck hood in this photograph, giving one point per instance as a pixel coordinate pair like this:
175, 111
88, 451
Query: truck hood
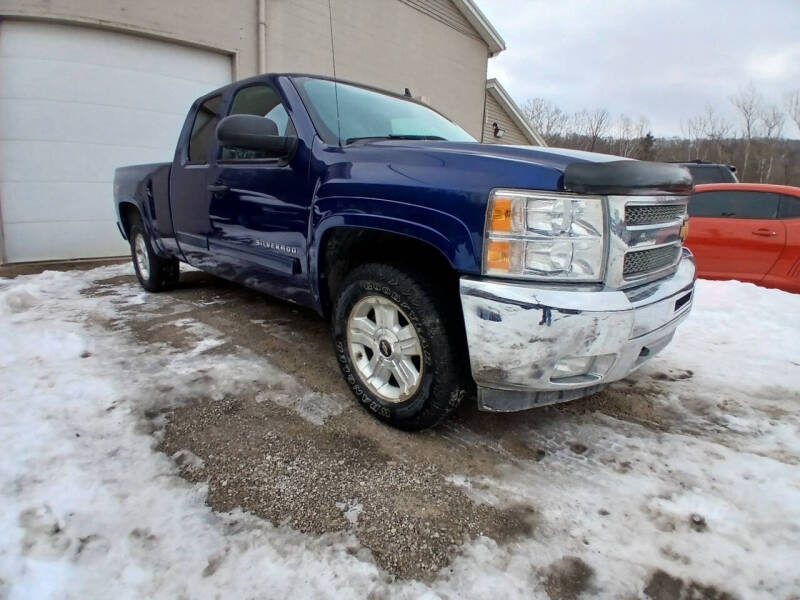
545, 156
474, 166
468, 166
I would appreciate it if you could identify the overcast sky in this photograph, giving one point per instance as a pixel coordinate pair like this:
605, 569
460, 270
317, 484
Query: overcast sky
665, 59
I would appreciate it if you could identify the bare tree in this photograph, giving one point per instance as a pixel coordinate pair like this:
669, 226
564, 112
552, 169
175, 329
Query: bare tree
692, 129
772, 121
545, 118
716, 128
755, 140
749, 103
591, 126
792, 101
629, 133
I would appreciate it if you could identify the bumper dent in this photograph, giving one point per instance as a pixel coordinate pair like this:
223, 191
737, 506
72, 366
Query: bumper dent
524, 338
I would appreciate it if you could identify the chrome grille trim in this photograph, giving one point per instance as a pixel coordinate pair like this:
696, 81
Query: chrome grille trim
640, 262
630, 233
636, 214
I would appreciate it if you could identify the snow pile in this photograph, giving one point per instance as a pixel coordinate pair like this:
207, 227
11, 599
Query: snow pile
90, 510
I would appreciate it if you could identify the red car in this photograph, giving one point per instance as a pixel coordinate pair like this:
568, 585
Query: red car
747, 231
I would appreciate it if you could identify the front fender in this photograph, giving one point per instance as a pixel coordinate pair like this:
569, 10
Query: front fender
444, 232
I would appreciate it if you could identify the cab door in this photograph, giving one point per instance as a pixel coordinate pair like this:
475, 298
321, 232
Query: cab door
259, 206
188, 193
735, 234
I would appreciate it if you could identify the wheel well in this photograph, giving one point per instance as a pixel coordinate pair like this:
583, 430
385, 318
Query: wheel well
344, 248
128, 214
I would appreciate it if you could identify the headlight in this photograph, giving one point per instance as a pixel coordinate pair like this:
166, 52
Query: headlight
544, 235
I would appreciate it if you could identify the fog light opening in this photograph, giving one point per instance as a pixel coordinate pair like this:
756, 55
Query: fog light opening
572, 366
580, 369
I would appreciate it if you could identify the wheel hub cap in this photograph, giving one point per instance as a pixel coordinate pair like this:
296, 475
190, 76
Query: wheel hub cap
142, 259
385, 348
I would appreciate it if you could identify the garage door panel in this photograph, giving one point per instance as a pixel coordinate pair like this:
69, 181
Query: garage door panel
68, 239
86, 123
36, 161
56, 201
91, 84
75, 104
97, 47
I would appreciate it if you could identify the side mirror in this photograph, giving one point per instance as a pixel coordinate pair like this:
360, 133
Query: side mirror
251, 132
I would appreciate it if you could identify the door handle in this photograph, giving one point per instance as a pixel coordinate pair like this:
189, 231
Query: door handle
217, 189
763, 231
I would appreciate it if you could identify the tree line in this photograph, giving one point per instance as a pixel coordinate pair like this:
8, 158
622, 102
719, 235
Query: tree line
755, 142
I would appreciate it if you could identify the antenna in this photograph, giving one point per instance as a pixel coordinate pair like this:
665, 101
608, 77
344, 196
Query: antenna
335, 80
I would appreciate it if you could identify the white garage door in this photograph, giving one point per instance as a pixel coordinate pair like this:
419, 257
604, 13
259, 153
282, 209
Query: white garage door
75, 103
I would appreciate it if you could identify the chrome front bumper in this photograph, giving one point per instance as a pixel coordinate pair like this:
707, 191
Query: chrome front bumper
521, 335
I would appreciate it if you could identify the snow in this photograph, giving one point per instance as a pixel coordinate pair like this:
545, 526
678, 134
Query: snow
351, 509
92, 510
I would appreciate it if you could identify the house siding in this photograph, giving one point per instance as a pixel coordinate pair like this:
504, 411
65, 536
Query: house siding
496, 114
446, 12
388, 44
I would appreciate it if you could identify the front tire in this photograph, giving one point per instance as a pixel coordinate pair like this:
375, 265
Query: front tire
397, 345
154, 273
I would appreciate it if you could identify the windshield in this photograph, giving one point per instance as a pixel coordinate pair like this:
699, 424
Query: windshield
366, 114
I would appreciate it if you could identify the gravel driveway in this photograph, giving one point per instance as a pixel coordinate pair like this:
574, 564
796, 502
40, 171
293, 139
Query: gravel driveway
629, 491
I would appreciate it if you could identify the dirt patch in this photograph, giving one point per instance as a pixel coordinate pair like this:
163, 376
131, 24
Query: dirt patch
271, 462
663, 586
567, 578
628, 400
389, 488
674, 375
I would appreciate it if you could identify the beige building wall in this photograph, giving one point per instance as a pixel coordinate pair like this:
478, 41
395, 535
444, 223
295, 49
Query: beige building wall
391, 44
427, 46
496, 114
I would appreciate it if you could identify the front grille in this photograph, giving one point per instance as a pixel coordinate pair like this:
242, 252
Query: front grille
647, 261
650, 215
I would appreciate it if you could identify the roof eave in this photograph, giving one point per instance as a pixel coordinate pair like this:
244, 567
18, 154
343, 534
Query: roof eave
500, 94
482, 25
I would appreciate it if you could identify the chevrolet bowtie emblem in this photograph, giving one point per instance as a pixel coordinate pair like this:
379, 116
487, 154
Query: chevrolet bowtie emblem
684, 230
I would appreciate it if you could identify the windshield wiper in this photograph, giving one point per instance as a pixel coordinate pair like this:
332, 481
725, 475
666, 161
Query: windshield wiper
392, 136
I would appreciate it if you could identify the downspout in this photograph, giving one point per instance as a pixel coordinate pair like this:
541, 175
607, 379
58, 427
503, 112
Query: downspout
262, 36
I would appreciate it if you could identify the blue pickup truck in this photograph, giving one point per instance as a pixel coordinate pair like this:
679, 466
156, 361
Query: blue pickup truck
521, 275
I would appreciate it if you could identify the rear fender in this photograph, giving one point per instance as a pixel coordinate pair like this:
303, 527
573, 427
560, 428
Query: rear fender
142, 200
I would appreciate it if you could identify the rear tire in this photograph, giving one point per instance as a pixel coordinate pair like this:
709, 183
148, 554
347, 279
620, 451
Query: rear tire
154, 273
397, 345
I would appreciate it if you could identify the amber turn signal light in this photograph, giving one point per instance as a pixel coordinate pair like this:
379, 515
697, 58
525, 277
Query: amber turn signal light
501, 215
498, 255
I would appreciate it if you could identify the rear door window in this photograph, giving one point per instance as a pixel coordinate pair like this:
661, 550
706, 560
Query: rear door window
204, 129
790, 207
734, 205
